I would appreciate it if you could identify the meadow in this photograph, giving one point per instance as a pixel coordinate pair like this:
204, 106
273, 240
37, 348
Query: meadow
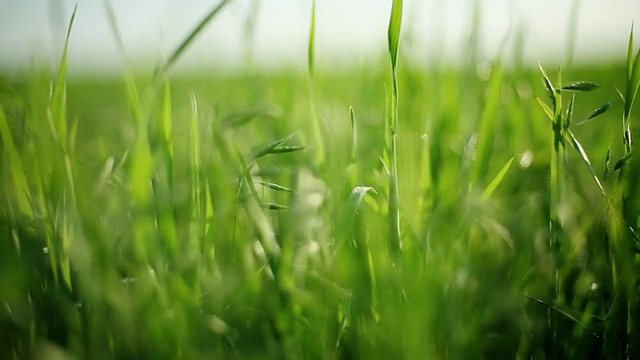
386, 212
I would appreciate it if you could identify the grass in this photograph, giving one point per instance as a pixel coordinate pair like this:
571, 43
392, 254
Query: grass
189, 217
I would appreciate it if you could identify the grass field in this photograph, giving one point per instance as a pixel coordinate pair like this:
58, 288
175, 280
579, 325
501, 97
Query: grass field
386, 212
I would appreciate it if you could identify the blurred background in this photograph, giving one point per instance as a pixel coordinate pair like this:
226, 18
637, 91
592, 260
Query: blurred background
274, 33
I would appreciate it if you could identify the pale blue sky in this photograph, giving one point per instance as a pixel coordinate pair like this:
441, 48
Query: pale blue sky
348, 31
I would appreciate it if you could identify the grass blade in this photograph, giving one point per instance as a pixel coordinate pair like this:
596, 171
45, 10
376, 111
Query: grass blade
59, 94
488, 119
493, 185
633, 78
312, 43
547, 110
393, 33
393, 37
597, 112
560, 311
623, 161
578, 147
243, 117
630, 55
175, 55
21, 187
354, 135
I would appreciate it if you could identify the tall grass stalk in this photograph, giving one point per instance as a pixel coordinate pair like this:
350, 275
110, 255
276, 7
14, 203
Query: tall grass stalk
563, 137
311, 67
393, 36
62, 145
556, 189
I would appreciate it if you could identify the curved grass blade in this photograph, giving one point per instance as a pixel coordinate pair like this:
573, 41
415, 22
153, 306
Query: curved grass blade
114, 27
562, 312
633, 77
578, 147
59, 94
488, 119
356, 197
623, 161
597, 112
18, 176
243, 117
192, 35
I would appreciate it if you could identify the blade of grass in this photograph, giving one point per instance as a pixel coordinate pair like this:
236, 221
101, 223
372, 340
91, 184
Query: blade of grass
175, 55
315, 119
547, 110
354, 135
62, 185
493, 185
633, 77
488, 119
197, 223
162, 180
583, 155
59, 94
597, 112
21, 187
243, 117
393, 38
562, 312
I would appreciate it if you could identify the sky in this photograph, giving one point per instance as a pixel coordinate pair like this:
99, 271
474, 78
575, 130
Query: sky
348, 32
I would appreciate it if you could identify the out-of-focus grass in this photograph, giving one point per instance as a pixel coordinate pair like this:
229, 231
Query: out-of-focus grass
240, 216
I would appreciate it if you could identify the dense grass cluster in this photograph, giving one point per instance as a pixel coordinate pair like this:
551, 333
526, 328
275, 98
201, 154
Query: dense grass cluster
387, 212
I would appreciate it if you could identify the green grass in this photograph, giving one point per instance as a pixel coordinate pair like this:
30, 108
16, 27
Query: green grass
388, 212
